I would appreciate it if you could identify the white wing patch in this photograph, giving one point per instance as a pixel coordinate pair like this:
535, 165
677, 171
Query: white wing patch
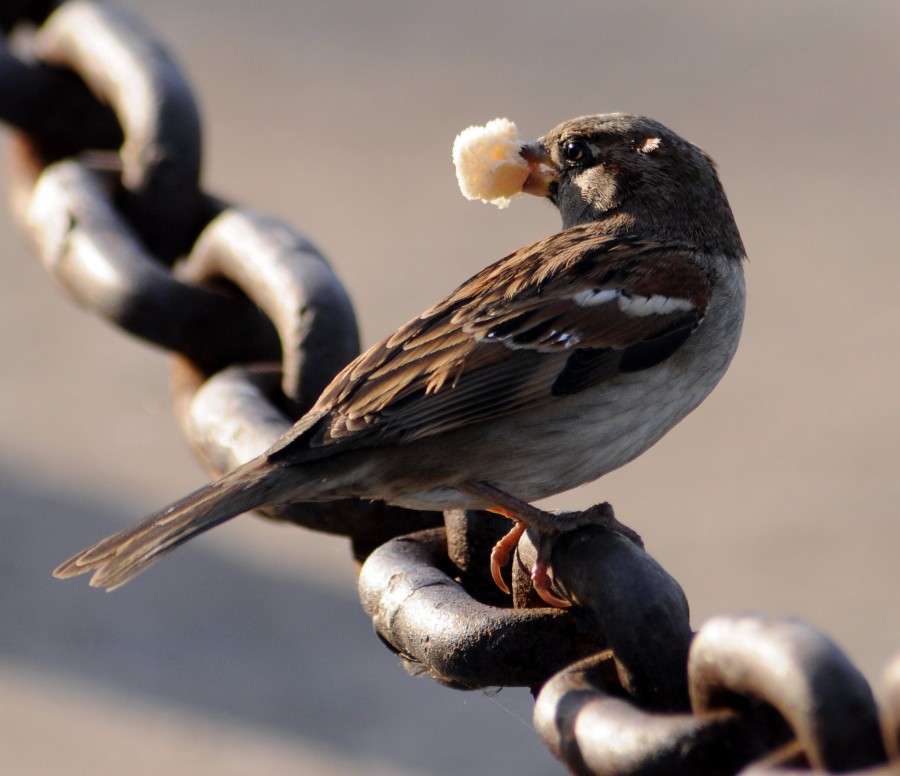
633, 304
653, 305
595, 296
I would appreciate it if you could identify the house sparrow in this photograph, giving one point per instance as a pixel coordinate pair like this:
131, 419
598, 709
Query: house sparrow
551, 367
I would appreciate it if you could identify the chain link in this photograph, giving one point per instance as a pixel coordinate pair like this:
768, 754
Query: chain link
106, 170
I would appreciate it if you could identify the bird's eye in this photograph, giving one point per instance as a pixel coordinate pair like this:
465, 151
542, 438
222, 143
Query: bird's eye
576, 151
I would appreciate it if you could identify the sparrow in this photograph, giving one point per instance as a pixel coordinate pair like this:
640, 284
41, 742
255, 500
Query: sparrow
548, 369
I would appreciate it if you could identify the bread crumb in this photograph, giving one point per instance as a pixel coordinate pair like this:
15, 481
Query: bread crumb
488, 164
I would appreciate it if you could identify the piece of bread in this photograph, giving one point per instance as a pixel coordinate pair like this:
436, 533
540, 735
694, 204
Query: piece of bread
488, 164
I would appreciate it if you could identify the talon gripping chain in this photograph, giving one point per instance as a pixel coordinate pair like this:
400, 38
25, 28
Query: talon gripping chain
106, 185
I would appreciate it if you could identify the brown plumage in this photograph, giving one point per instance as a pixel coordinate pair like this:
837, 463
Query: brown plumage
547, 369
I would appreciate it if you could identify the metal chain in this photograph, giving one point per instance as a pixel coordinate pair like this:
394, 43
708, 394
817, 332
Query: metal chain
106, 170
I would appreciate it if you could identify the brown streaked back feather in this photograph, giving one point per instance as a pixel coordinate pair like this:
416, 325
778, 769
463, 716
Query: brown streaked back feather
510, 339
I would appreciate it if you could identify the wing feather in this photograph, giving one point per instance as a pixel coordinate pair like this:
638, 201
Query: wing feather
557, 317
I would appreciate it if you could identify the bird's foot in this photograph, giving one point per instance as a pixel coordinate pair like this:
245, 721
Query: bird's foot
548, 525
540, 577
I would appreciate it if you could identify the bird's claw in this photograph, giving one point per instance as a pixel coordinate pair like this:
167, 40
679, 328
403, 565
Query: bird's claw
540, 578
501, 553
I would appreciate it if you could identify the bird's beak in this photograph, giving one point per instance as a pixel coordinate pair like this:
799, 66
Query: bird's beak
542, 173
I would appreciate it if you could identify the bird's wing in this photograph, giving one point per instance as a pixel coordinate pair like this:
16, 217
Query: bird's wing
552, 319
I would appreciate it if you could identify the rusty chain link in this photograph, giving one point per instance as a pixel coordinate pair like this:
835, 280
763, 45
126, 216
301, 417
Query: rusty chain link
106, 168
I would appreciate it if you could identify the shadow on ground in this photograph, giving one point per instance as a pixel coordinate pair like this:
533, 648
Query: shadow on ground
208, 635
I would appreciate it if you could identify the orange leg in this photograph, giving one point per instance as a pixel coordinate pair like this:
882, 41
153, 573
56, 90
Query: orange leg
515, 510
547, 524
503, 549
540, 578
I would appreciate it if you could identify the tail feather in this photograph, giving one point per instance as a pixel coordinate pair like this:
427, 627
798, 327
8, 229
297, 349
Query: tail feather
119, 557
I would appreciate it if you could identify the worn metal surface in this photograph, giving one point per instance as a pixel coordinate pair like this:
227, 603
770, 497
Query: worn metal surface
640, 608
126, 68
91, 248
736, 660
591, 723
407, 588
287, 277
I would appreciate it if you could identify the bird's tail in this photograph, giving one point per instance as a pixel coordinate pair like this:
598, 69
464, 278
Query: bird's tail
119, 557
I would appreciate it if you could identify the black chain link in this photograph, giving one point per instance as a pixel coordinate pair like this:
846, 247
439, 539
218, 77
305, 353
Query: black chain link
106, 170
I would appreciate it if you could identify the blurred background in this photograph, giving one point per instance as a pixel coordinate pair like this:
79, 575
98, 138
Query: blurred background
246, 652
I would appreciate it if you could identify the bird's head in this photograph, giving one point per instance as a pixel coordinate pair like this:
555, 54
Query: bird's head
632, 173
